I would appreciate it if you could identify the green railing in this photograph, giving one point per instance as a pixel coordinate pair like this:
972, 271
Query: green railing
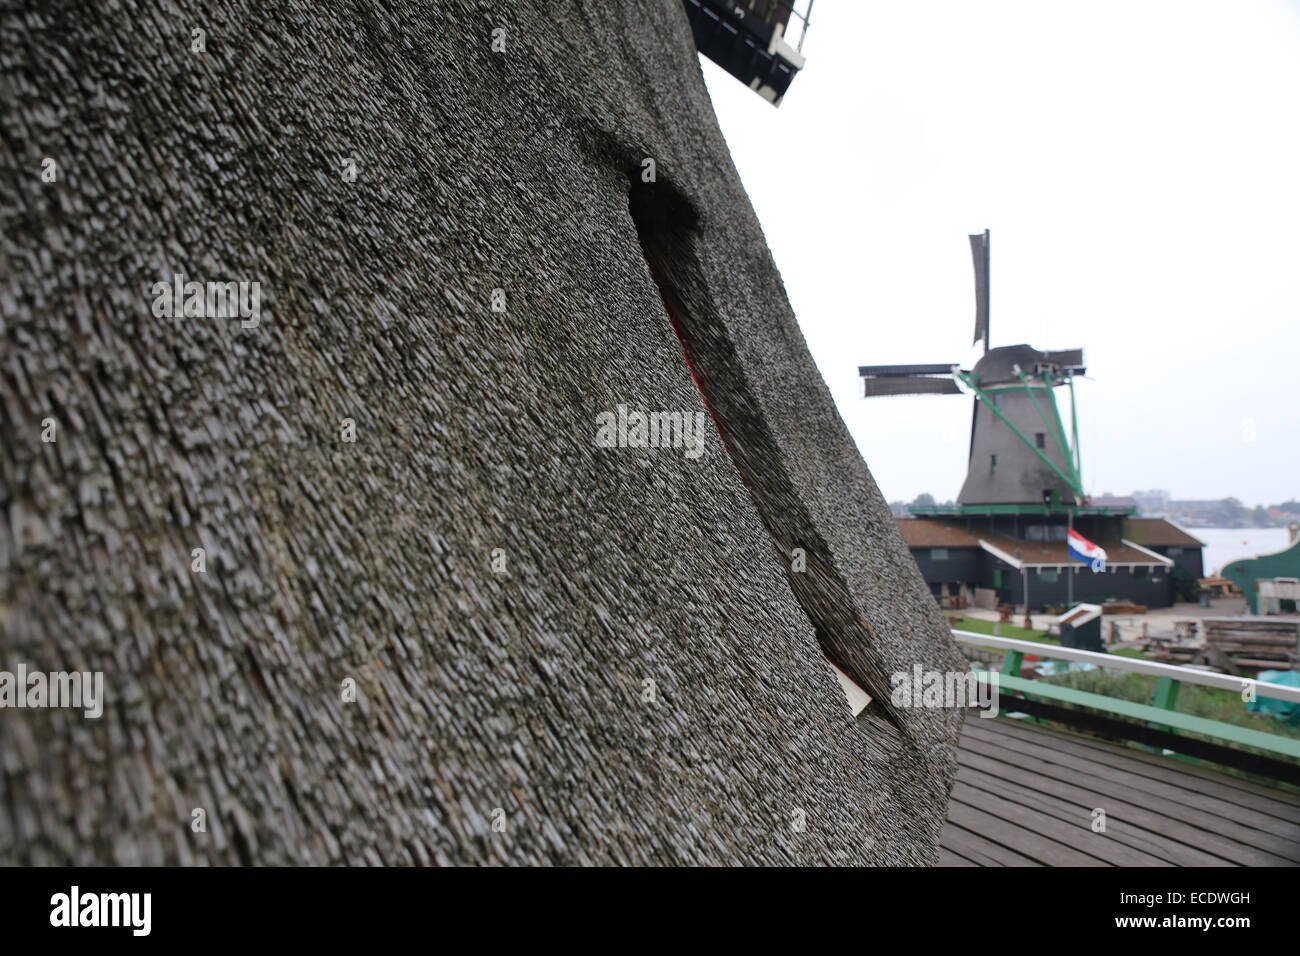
1161, 713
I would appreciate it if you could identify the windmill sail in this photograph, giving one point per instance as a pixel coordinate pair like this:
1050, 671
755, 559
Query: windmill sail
873, 387
907, 380
979, 251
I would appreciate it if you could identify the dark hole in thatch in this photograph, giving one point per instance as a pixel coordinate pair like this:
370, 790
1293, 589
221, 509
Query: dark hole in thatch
667, 227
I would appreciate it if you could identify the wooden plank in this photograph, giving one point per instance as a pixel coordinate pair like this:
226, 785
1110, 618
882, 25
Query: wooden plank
1142, 809
1165, 851
1252, 666
1245, 793
1048, 749
1076, 833
1269, 833
1252, 641
948, 858
1221, 835
1039, 848
980, 849
1187, 844
1119, 830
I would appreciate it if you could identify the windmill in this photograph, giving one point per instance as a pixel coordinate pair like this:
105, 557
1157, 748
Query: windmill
750, 39
1019, 455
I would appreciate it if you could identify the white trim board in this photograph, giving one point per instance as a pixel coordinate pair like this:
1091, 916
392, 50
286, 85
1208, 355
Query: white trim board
1167, 562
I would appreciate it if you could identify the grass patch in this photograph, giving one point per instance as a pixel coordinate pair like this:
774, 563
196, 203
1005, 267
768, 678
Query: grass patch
981, 626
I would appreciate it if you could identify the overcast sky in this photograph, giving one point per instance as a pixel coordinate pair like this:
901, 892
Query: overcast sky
1138, 163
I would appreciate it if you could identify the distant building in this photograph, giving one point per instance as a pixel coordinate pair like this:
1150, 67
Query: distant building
970, 559
1115, 502
1205, 514
1154, 502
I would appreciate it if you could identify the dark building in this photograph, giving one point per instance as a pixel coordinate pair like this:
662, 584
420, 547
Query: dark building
1167, 539
988, 559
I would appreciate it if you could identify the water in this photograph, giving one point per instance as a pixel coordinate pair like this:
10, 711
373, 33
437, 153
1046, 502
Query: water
1225, 545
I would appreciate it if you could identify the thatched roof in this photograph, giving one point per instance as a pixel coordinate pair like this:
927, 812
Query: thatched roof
373, 560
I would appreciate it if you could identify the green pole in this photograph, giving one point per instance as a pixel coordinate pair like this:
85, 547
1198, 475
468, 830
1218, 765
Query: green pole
1060, 428
1166, 698
1069, 568
1058, 433
1074, 424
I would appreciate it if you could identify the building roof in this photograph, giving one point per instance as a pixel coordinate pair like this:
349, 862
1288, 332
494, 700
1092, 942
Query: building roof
936, 533
1158, 533
480, 689
1058, 552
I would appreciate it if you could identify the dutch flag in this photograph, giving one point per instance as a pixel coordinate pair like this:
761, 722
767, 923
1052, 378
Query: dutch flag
1081, 549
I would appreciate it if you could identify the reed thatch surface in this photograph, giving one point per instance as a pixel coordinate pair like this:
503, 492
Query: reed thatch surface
372, 560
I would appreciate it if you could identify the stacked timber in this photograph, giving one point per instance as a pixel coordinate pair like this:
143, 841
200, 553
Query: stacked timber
1123, 607
1255, 643
1173, 653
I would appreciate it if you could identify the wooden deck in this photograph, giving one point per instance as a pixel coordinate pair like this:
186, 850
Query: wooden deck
1025, 796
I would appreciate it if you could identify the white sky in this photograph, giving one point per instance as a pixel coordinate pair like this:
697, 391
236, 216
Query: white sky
1138, 163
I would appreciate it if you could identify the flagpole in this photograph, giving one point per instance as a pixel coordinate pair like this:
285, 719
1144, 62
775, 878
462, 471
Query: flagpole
1069, 581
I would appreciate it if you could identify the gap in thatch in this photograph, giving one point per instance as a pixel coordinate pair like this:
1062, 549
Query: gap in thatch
667, 227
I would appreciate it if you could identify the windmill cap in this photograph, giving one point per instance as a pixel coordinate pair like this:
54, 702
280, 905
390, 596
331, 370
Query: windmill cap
999, 365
